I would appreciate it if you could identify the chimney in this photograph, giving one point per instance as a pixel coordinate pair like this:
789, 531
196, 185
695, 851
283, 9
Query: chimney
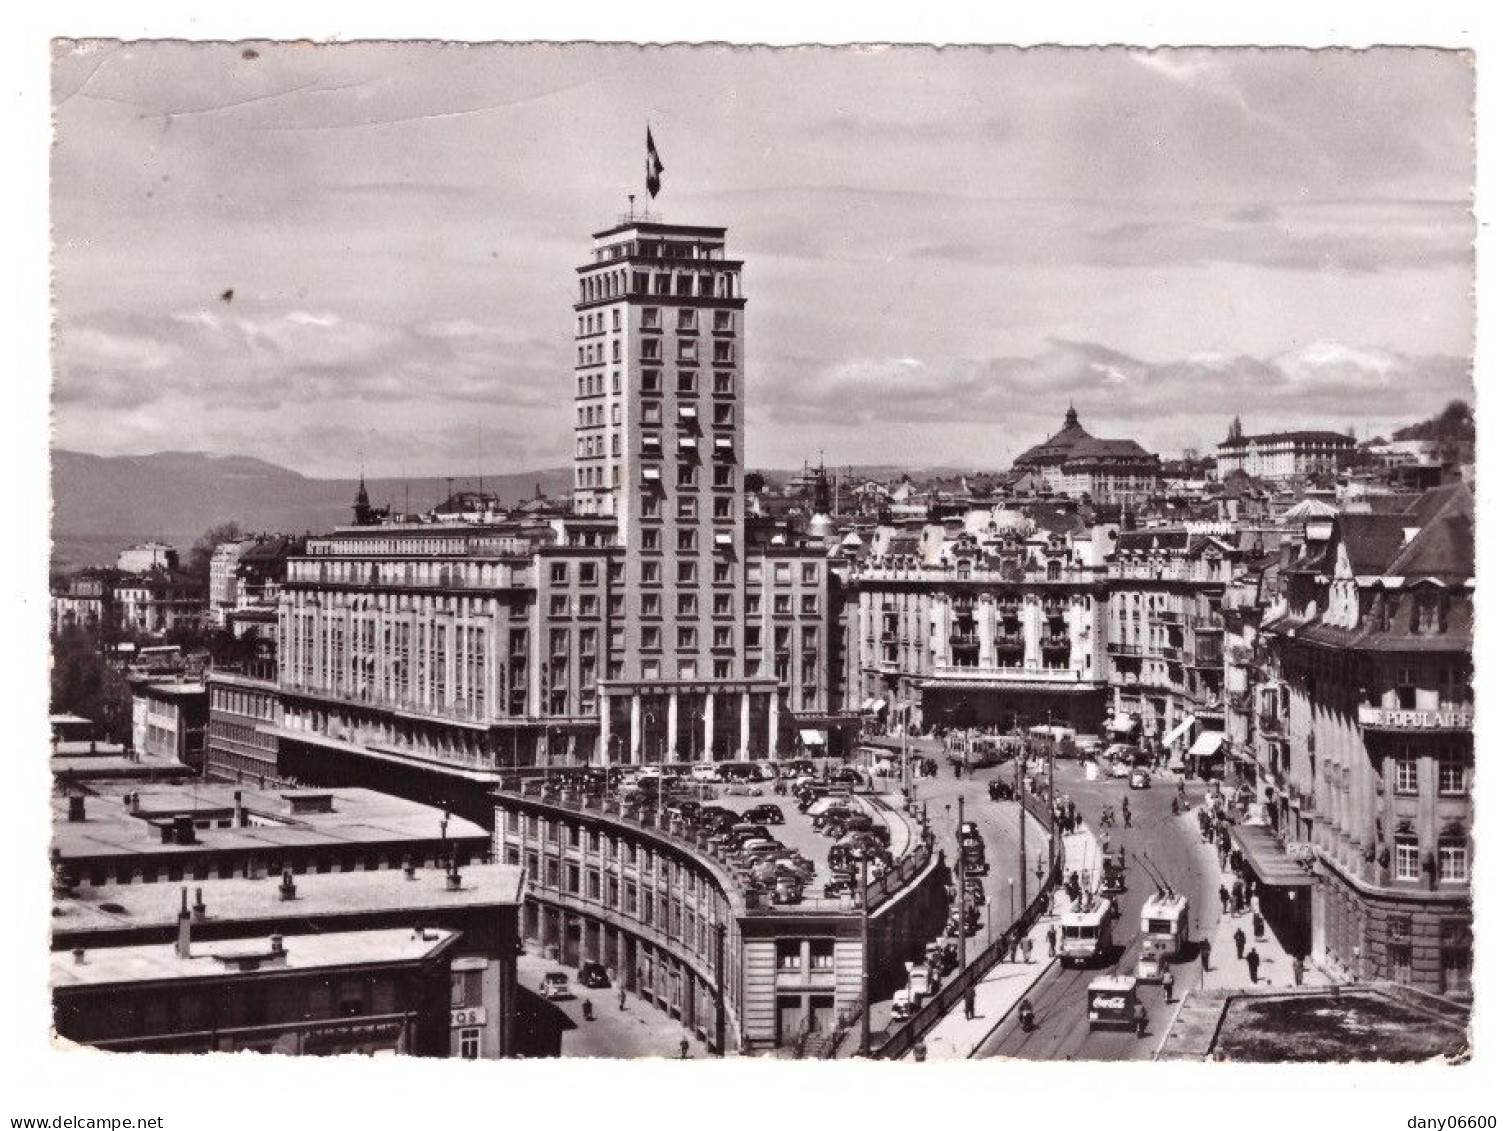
76, 807
199, 908
78, 956
277, 945
184, 947
240, 814
408, 868
287, 889
453, 877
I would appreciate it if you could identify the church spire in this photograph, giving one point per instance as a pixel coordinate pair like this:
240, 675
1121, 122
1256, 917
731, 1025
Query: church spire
1071, 420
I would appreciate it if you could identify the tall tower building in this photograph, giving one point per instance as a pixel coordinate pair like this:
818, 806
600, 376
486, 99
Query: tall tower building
659, 447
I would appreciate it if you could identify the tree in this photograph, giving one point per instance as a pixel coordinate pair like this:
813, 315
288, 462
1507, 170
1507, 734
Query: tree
84, 683
754, 482
204, 549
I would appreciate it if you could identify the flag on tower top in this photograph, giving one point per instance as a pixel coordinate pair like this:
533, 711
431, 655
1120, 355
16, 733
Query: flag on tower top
652, 166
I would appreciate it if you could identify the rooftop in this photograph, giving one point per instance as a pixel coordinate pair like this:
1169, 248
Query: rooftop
113, 908
160, 962
275, 819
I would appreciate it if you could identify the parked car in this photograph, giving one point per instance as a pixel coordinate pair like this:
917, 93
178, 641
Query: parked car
797, 767
555, 986
1119, 770
593, 975
704, 772
1140, 778
766, 814
737, 772
847, 775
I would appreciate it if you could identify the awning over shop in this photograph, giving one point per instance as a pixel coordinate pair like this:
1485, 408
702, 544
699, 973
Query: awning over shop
813, 738
1122, 723
1265, 854
873, 706
1177, 732
1207, 745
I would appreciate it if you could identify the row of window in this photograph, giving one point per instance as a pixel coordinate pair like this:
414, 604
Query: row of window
1450, 772
687, 351
687, 383
682, 284
686, 509
1453, 864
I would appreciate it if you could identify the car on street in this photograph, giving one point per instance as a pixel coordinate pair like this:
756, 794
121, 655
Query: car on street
1119, 770
555, 986
765, 815
1141, 778
847, 775
593, 975
704, 772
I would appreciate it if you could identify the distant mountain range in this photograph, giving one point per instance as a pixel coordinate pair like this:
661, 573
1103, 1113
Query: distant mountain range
102, 504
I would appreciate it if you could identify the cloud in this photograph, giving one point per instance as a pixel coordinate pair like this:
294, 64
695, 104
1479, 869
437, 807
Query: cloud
264, 359
1321, 381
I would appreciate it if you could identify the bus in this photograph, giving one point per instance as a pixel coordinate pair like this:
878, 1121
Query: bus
1085, 936
1165, 925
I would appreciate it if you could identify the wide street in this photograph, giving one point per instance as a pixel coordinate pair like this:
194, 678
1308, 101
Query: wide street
1060, 999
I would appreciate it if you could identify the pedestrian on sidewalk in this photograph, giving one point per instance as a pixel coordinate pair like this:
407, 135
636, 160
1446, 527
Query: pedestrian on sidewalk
1298, 969
1052, 940
1141, 1019
1224, 899
1026, 947
1204, 953
1167, 985
685, 1047
1258, 925
1224, 858
1253, 962
968, 1004
1015, 945
919, 1051
1240, 943
622, 998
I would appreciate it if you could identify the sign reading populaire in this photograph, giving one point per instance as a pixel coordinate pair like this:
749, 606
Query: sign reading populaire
1399, 719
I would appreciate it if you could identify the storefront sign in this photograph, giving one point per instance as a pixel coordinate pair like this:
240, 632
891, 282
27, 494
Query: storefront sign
464, 1018
1394, 719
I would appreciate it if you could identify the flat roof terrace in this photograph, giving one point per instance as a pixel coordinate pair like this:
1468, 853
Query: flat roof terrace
117, 908
161, 962
265, 819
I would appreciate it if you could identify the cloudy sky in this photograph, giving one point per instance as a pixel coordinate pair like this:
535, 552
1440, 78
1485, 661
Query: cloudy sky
943, 248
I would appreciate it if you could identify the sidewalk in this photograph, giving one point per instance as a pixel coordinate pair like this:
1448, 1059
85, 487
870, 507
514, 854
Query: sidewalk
1202, 1001
1227, 972
997, 995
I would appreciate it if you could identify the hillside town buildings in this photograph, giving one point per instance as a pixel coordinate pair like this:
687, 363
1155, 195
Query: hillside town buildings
1283, 455
422, 676
1071, 462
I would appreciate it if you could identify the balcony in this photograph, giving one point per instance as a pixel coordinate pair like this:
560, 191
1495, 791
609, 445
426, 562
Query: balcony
1009, 640
1238, 700
1058, 642
1449, 718
1123, 648
964, 640
954, 674
1273, 724
1172, 619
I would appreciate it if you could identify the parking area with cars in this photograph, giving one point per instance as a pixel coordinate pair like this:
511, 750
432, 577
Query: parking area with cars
799, 830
